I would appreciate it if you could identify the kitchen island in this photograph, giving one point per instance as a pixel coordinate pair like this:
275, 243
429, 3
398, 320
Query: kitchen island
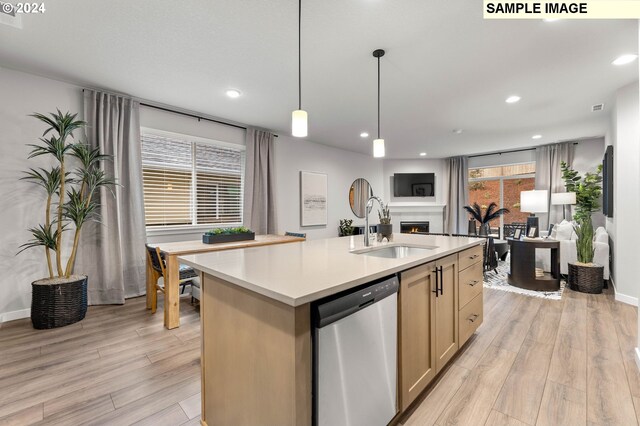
256, 318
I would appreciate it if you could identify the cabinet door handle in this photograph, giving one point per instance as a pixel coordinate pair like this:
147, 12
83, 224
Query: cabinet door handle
436, 290
473, 317
441, 282
474, 282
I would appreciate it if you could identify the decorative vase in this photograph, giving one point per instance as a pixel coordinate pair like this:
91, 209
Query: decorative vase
484, 230
58, 302
385, 230
586, 279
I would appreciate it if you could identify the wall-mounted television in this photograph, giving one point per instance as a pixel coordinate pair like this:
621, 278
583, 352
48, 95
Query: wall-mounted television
413, 185
607, 182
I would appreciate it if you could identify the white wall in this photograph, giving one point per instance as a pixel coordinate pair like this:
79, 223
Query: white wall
624, 135
23, 204
342, 168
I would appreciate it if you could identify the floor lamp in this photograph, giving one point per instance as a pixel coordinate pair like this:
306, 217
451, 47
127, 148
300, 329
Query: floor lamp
536, 201
563, 199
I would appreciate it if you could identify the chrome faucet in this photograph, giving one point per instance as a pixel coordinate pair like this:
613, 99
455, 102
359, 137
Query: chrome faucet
366, 217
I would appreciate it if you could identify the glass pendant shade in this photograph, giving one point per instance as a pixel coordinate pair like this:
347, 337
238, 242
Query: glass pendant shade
299, 123
378, 148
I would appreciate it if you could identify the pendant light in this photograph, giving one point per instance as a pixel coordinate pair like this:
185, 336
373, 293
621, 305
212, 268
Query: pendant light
378, 144
299, 116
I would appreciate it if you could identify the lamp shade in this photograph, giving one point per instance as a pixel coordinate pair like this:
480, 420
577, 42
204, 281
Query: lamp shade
378, 148
299, 123
562, 198
536, 201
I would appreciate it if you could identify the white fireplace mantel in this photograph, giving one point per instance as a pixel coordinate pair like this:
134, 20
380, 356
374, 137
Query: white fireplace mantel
417, 211
416, 207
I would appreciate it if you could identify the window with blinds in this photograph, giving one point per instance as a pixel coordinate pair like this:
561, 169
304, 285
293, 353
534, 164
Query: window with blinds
191, 182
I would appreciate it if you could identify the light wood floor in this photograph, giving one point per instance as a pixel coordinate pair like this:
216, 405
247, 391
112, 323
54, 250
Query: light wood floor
533, 362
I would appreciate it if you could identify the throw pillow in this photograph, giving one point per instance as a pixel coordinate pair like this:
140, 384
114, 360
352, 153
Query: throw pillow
563, 230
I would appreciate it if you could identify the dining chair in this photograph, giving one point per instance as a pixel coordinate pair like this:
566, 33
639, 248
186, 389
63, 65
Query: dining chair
156, 260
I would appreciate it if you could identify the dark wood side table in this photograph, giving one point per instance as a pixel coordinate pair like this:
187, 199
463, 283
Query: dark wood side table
523, 265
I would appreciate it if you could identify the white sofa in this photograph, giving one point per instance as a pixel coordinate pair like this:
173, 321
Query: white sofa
565, 233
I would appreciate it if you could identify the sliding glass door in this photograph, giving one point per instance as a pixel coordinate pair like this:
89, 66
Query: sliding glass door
501, 185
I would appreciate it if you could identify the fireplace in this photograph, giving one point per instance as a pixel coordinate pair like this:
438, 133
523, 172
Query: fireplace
414, 227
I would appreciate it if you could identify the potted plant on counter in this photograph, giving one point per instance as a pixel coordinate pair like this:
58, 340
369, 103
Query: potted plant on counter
61, 298
345, 227
385, 228
228, 235
584, 275
490, 214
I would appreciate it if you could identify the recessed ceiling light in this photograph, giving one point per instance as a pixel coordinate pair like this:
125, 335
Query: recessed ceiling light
625, 59
423, 154
233, 93
512, 99
457, 131
364, 135
536, 137
551, 19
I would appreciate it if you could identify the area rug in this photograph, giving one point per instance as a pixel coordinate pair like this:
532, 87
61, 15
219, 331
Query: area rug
498, 281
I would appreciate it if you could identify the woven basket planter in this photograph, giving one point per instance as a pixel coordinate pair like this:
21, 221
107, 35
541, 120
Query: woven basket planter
58, 304
586, 279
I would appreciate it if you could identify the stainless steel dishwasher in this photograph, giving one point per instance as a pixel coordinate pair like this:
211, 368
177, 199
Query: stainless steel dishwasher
355, 347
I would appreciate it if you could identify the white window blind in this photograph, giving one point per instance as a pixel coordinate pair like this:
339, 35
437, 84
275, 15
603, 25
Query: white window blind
191, 182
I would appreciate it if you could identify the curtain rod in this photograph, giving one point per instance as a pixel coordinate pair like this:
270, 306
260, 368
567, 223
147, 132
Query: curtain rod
507, 152
194, 116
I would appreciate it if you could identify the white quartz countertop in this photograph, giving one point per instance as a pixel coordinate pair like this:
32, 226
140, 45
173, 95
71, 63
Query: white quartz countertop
299, 273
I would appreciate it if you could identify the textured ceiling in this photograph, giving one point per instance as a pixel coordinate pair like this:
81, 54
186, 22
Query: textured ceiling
445, 67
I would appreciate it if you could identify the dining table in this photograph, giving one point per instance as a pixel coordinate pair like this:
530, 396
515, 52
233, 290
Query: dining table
171, 251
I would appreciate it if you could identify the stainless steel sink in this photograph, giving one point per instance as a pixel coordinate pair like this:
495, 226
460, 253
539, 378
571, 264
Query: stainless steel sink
397, 252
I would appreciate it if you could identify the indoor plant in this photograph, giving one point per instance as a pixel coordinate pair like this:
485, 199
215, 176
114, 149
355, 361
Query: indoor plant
228, 235
345, 227
584, 275
490, 214
385, 228
61, 298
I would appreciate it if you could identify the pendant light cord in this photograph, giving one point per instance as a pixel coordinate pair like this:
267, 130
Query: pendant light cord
299, 54
378, 97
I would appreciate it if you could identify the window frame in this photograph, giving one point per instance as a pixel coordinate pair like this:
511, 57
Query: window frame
502, 179
187, 229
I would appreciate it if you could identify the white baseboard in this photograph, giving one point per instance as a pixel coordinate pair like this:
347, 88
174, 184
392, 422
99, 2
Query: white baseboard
15, 315
629, 300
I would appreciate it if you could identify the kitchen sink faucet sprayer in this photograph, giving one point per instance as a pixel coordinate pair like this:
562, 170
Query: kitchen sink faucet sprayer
366, 217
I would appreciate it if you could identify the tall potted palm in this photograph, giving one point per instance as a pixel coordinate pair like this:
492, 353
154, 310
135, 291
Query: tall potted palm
584, 275
490, 214
71, 185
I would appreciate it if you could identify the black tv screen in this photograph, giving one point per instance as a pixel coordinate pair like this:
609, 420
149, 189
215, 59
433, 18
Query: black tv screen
413, 185
607, 183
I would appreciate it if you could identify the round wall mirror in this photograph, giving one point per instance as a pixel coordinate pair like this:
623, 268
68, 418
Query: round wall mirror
359, 194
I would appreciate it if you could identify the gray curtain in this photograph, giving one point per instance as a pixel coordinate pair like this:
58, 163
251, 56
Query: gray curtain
549, 176
457, 182
259, 183
113, 254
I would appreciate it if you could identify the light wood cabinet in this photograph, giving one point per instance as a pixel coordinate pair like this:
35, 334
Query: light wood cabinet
440, 307
470, 293
446, 310
416, 324
428, 324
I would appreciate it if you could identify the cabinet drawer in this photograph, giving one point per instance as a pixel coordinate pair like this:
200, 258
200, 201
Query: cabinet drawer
470, 319
469, 257
470, 284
